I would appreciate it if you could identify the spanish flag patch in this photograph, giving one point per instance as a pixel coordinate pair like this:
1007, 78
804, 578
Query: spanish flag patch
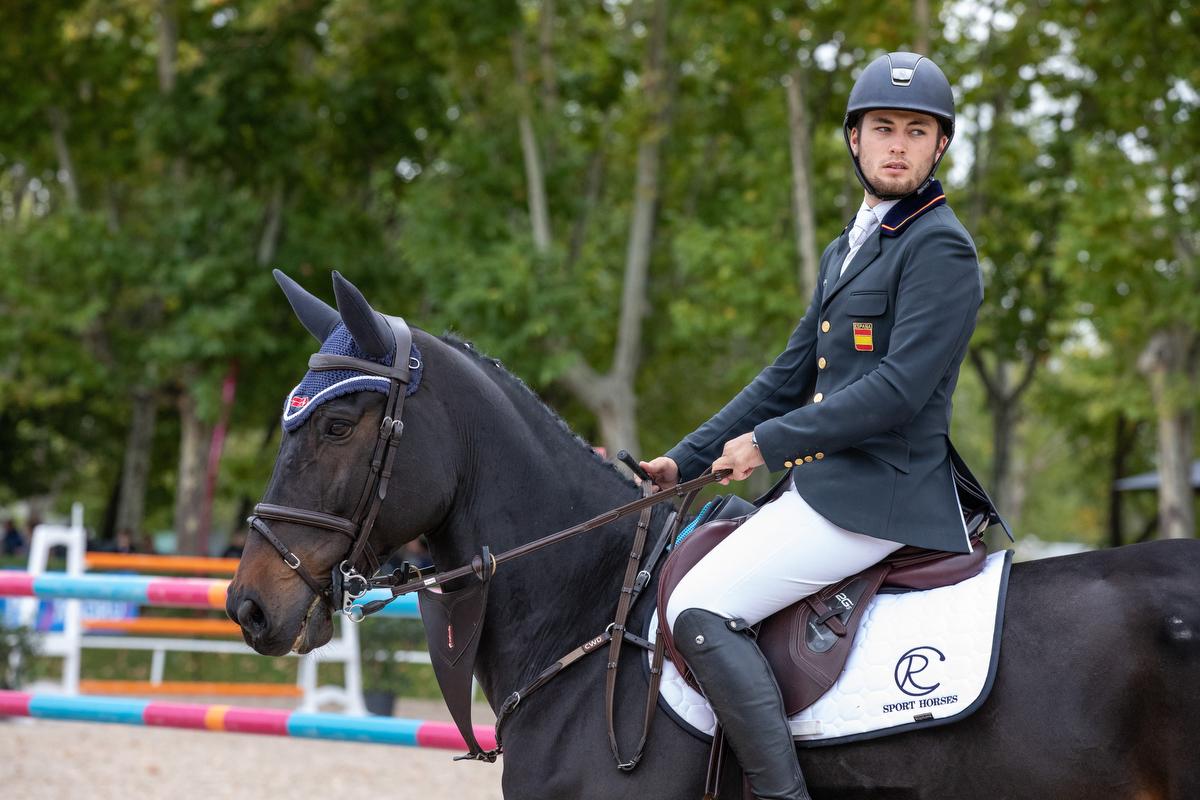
863, 338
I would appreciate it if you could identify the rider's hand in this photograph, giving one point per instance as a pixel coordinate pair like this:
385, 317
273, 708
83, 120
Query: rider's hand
741, 456
663, 471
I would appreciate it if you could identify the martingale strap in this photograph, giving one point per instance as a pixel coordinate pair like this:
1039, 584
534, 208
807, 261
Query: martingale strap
635, 581
624, 601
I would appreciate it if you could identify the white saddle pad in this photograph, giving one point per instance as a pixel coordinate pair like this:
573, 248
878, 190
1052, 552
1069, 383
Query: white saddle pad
921, 658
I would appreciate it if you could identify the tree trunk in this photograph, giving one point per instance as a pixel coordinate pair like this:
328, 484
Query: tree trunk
594, 187
1004, 403
612, 396
1123, 437
194, 438
20, 178
802, 195
549, 76
213, 466
546, 56
66, 168
168, 45
1004, 424
539, 212
1169, 363
135, 470
268, 242
921, 20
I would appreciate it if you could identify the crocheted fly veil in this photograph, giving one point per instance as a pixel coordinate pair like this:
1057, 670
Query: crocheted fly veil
336, 338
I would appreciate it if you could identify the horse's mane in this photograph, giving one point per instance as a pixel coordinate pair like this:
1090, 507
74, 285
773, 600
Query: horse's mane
527, 401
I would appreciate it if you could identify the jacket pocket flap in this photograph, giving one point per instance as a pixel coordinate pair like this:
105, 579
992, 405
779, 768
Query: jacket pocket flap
890, 448
866, 304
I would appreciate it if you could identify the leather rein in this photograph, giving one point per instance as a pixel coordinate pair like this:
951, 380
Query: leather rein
348, 584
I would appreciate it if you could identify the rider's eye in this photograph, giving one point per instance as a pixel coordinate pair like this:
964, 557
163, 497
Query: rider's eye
338, 427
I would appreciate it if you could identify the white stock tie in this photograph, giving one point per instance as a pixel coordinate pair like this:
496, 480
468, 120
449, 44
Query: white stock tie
864, 223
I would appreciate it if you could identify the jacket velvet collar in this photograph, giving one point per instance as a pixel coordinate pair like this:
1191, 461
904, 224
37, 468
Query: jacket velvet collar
896, 221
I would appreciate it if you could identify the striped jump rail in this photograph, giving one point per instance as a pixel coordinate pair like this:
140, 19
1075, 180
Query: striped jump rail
164, 626
144, 562
233, 719
153, 591
224, 688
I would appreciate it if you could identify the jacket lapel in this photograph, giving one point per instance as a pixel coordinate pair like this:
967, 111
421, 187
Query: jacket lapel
895, 222
865, 255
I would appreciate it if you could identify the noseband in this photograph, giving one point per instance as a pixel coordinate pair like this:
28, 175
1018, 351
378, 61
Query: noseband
346, 580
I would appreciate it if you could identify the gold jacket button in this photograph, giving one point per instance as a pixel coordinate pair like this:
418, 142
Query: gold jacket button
825, 326
821, 362
787, 464
820, 456
818, 397
808, 459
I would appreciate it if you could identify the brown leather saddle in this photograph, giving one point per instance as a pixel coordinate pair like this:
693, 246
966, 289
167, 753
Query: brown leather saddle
807, 643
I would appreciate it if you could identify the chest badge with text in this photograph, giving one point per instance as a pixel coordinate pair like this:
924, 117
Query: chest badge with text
863, 338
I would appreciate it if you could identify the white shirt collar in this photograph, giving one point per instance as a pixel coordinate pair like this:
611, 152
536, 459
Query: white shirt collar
881, 208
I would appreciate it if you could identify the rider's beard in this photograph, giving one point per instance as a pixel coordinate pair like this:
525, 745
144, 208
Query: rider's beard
902, 183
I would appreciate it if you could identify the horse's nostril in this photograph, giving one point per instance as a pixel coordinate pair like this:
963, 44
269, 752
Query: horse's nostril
251, 618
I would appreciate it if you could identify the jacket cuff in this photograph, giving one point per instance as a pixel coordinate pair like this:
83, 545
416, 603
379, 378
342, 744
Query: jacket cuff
777, 451
685, 458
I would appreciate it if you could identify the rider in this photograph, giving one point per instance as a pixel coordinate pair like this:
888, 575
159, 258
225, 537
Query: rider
857, 407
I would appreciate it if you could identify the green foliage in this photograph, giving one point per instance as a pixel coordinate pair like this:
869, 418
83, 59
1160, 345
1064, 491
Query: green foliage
381, 138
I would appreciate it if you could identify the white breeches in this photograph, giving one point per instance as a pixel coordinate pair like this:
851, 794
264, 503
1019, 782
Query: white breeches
782, 554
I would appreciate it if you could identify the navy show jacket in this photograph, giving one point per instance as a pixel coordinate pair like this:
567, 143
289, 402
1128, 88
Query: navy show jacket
858, 405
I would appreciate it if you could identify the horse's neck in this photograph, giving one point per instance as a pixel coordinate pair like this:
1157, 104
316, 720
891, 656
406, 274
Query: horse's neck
547, 603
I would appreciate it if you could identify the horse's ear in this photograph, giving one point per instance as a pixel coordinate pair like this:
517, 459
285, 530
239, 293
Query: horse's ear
315, 314
368, 327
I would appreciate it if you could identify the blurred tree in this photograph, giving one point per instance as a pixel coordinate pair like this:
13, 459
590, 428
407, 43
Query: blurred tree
1012, 199
622, 201
1131, 231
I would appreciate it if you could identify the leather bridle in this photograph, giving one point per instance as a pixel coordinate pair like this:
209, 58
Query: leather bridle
465, 607
347, 584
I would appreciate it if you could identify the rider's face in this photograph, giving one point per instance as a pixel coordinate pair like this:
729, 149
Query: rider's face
896, 149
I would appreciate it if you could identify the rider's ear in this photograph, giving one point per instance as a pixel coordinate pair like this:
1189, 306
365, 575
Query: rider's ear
317, 317
369, 329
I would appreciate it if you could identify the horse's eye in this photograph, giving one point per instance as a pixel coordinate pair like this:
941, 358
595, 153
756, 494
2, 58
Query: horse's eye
338, 427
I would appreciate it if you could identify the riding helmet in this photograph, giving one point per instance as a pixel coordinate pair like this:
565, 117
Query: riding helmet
905, 81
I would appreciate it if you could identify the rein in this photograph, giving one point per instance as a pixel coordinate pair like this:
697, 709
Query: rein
399, 585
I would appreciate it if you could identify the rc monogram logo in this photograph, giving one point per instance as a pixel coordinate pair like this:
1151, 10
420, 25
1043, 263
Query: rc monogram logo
912, 664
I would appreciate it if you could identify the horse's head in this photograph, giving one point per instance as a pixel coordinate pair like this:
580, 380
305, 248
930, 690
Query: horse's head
347, 485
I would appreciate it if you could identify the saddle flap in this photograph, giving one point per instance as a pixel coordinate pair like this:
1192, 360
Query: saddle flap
685, 556
807, 643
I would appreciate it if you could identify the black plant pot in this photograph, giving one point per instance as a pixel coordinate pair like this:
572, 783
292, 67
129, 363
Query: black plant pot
379, 702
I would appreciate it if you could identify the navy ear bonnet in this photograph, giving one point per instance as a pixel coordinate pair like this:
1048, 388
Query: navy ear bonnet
318, 387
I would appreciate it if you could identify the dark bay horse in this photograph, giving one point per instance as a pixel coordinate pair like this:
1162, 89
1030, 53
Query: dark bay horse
1098, 687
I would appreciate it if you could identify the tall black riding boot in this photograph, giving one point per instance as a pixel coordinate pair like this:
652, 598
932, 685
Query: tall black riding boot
742, 690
